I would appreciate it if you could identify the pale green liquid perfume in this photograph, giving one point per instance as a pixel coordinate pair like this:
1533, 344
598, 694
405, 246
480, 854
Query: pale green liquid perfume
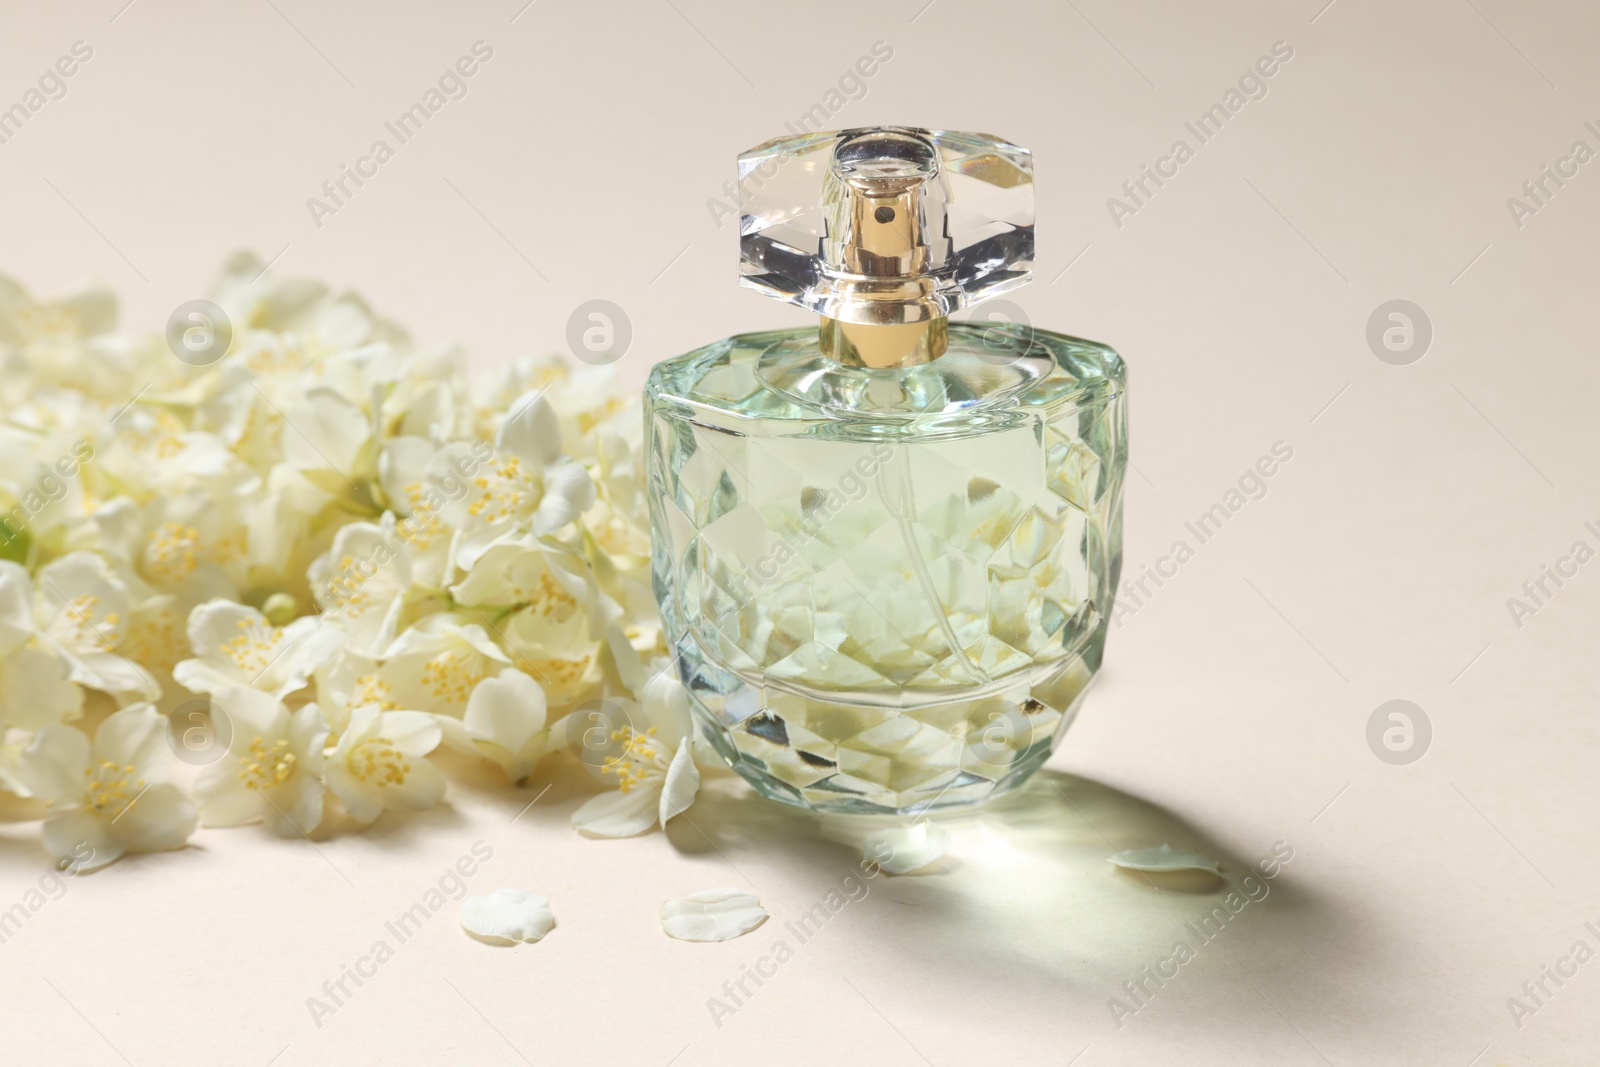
885, 549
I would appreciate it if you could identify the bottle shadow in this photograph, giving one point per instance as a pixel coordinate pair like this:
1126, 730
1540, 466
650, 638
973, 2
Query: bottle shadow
1028, 883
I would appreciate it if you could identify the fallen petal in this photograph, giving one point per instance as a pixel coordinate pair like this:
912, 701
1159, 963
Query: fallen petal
1165, 858
507, 916
902, 849
712, 915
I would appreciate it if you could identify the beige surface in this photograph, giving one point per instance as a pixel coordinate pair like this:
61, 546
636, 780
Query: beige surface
1233, 711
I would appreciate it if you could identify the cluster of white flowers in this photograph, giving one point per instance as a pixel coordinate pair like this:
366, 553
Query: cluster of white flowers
349, 550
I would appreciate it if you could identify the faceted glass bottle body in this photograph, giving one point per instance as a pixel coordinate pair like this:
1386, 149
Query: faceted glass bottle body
887, 589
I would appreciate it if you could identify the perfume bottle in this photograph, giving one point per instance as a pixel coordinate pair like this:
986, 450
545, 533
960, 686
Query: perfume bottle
885, 547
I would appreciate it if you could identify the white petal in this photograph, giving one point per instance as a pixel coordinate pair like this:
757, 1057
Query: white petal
682, 782
531, 431
250, 714
293, 808
508, 709
161, 818
568, 492
35, 690
136, 736
224, 800
324, 431
16, 611
1165, 858
308, 733
665, 704
617, 814
216, 622
455, 735
413, 733
423, 788
401, 465
111, 673
507, 916
55, 764
900, 849
80, 841
630, 667
198, 676
712, 915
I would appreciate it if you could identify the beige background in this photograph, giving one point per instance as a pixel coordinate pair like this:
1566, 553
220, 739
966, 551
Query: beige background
1233, 710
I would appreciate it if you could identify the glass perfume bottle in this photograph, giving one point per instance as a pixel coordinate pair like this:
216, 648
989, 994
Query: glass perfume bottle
885, 548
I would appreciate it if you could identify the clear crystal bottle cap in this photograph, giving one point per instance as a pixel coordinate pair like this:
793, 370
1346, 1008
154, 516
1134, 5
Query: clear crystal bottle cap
885, 225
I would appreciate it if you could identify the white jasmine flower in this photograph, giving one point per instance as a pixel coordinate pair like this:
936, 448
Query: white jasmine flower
301, 308
35, 690
656, 775
585, 399
435, 665
235, 645
51, 325
273, 767
549, 609
279, 524
84, 611
154, 451
498, 391
361, 583
505, 720
196, 543
527, 484
31, 485
379, 763
347, 681
712, 915
327, 438
408, 473
507, 916
110, 797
